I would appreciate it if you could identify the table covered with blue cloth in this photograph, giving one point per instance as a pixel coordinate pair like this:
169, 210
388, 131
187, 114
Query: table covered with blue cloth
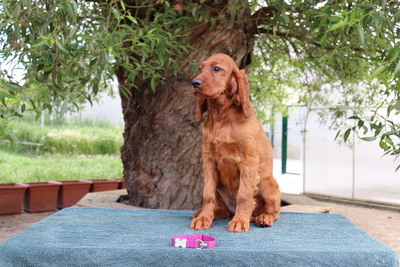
142, 237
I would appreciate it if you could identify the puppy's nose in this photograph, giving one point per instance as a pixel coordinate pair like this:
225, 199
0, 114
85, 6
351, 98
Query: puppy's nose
196, 83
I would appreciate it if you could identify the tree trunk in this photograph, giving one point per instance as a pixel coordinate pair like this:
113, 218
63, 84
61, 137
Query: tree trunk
161, 154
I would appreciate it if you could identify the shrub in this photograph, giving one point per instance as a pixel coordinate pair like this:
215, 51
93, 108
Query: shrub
75, 138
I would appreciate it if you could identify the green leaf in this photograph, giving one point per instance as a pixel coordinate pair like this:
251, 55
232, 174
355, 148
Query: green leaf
397, 106
152, 30
327, 72
2, 25
38, 114
33, 103
360, 124
45, 94
337, 135
338, 25
286, 18
7, 95
368, 139
104, 59
298, 3
15, 87
354, 118
391, 133
361, 35
72, 6
347, 134
365, 128
383, 43
95, 88
115, 53
61, 46
153, 84
132, 19
49, 68
383, 145
397, 68
395, 52
353, 16
377, 71
365, 5
63, 109
76, 105
398, 167
40, 43
6, 10
124, 92
116, 13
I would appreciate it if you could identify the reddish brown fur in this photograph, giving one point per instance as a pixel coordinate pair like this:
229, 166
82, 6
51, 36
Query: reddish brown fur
237, 154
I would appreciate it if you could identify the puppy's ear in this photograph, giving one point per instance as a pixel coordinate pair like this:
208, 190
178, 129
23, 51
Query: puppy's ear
233, 88
201, 108
242, 95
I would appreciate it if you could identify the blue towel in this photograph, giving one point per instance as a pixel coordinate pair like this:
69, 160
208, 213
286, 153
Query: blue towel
141, 237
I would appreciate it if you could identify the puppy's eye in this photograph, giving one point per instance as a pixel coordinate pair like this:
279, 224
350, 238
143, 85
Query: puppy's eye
217, 69
200, 69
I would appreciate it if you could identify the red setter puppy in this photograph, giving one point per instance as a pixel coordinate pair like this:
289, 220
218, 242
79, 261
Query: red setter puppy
237, 154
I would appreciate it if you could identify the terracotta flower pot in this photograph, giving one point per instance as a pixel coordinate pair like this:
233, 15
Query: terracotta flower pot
103, 185
41, 197
11, 198
71, 192
121, 184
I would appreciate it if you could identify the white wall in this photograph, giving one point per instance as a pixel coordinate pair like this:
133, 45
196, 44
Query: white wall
327, 168
361, 173
107, 109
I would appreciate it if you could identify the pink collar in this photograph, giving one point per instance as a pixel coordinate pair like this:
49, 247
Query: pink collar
193, 241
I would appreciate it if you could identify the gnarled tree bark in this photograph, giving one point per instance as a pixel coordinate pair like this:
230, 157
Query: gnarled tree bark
161, 154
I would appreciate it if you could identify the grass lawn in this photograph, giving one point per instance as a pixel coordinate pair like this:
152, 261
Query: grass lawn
57, 167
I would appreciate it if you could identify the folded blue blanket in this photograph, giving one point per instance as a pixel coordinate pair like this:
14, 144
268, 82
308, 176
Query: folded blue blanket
141, 237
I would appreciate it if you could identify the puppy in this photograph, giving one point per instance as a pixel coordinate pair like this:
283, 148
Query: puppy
237, 154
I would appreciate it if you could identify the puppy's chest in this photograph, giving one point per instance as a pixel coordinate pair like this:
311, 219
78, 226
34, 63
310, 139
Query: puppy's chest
224, 149
222, 144
227, 159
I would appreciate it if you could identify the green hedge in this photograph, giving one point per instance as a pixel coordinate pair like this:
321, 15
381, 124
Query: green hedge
78, 138
49, 167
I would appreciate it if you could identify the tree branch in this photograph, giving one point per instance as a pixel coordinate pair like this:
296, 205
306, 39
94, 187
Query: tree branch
302, 38
264, 14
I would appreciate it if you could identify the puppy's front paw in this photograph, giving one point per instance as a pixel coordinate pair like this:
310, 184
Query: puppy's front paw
196, 213
266, 220
201, 223
238, 226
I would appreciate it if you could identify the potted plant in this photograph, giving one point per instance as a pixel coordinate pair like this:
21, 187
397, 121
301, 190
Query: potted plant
11, 197
71, 192
121, 184
103, 185
40, 196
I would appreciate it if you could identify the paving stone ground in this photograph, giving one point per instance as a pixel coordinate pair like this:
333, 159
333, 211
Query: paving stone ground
384, 225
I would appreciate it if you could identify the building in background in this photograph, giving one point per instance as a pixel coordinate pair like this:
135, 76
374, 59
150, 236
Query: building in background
317, 164
108, 109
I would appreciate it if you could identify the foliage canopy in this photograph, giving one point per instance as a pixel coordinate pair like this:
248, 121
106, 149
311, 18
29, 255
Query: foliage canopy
340, 54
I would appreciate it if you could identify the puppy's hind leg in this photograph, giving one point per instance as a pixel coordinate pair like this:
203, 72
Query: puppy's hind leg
271, 195
221, 210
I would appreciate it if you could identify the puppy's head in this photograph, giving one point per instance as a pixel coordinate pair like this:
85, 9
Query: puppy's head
218, 75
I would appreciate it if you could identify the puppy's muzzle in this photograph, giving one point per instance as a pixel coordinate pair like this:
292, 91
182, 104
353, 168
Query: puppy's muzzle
197, 83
